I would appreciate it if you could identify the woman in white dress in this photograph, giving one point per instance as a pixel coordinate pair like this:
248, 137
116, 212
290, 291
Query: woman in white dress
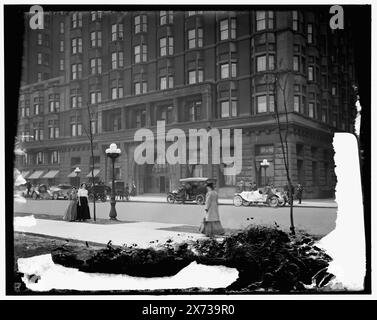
82, 204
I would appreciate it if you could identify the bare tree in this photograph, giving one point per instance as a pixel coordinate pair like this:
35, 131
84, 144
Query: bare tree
280, 81
90, 136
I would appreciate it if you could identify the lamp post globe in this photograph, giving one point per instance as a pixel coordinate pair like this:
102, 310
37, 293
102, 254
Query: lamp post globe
113, 152
77, 171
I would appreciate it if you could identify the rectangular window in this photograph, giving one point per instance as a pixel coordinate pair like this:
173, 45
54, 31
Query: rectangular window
233, 28
195, 38
166, 17
234, 108
271, 62
261, 63
310, 74
224, 31
225, 109
93, 39
116, 32
39, 58
39, 39
191, 38
264, 20
192, 77
296, 103
310, 33
61, 27
294, 20
61, 64
163, 47
140, 23
261, 104
296, 63
261, 20
224, 71
76, 45
61, 46
166, 46
311, 110
77, 20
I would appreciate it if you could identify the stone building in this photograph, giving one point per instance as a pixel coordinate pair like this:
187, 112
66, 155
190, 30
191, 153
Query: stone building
121, 71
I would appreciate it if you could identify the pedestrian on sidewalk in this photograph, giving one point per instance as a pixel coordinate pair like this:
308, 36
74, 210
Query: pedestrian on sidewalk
299, 190
82, 205
71, 211
211, 224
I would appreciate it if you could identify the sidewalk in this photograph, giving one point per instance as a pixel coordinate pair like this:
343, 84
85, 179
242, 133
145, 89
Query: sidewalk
310, 203
143, 234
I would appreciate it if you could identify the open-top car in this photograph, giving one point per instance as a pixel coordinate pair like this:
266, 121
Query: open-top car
61, 191
190, 190
258, 197
40, 192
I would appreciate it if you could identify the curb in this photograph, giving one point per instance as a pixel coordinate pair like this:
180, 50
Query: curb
231, 204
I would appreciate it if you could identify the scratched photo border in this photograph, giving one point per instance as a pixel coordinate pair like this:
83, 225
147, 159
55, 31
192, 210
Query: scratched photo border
13, 33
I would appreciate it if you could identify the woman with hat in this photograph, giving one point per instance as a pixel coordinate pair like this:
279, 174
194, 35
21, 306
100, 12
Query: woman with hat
211, 224
82, 204
71, 211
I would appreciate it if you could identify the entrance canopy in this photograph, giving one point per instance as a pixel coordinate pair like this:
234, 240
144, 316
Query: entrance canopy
51, 174
95, 173
36, 175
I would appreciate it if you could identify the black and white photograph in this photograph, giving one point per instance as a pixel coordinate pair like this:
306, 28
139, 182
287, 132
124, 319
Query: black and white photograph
187, 149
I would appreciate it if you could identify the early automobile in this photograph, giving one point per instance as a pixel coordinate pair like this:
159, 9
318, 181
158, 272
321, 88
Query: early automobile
61, 191
190, 190
258, 197
40, 192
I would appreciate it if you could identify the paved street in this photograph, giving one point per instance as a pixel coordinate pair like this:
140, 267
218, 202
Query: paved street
318, 221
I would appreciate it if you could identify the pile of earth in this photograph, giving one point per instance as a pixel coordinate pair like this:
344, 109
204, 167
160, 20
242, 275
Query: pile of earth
267, 259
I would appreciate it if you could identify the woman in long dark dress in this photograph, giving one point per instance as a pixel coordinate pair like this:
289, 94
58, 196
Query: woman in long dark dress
71, 211
82, 204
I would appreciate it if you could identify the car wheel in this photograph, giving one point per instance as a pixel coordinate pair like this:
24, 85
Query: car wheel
34, 196
103, 198
170, 198
91, 197
281, 202
55, 196
200, 199
237, 201
273, 202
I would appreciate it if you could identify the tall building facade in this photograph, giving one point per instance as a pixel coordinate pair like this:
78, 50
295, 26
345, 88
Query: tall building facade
117, 72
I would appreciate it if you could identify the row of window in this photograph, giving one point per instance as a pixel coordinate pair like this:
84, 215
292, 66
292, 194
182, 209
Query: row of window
52, 157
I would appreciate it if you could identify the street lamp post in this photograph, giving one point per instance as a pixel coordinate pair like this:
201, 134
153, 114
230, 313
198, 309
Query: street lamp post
77, 171
265, 164
113, 152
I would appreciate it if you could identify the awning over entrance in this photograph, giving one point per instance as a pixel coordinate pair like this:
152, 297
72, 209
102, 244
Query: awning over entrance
51, 174
72, 174
25, 174
95, 171
36, 175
